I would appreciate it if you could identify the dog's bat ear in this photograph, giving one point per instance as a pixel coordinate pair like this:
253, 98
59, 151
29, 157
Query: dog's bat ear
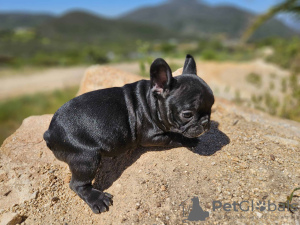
189, 65
160, 76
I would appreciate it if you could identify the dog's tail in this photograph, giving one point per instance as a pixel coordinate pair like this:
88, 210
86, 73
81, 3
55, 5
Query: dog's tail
47, 138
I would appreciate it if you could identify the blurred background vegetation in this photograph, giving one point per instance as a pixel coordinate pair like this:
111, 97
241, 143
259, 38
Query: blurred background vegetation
170, 30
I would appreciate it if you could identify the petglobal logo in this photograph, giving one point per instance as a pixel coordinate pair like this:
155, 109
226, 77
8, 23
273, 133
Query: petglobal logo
192, 210
246, 206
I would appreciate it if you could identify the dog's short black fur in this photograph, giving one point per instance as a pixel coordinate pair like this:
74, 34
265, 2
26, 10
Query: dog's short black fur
165, 111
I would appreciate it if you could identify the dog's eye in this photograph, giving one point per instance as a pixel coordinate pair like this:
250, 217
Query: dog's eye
187, 115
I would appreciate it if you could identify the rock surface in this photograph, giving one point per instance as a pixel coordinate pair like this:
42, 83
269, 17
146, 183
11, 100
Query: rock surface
10, 219
98, 77
247, 155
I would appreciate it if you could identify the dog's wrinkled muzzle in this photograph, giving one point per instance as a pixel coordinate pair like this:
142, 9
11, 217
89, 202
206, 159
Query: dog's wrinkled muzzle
205, 123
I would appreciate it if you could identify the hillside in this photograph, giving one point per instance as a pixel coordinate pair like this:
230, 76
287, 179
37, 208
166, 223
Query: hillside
197, 18
246, 156
189, 18
83, 26
22, 20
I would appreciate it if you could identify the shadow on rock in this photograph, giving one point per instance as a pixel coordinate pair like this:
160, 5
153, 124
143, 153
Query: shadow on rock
212, 141
112, 168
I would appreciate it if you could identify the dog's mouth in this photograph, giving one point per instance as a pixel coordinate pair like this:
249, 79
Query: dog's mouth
193, 134
201, 134
196, 131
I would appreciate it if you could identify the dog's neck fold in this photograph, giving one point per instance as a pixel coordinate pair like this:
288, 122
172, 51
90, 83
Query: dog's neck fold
156, 107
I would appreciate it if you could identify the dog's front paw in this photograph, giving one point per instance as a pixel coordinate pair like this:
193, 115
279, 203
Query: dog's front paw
99, 201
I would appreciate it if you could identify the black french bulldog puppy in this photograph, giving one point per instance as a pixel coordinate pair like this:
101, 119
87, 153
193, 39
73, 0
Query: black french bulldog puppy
165, 111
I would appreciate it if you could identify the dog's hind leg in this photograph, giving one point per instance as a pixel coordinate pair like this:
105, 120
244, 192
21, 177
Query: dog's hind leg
83, 167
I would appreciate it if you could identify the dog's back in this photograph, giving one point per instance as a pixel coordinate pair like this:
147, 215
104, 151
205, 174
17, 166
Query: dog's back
95, 121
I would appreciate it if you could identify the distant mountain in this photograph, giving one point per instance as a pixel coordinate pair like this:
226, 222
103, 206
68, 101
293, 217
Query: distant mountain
197, 18
83, 26
172, 19
22, 20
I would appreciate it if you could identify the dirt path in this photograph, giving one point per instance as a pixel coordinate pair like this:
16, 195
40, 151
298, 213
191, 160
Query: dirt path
226, 78
49, 79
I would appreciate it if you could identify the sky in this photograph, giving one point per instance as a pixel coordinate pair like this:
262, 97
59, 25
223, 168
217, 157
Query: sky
113, 8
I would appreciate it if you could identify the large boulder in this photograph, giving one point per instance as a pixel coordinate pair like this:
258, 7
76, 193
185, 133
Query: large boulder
98, 77
246, 156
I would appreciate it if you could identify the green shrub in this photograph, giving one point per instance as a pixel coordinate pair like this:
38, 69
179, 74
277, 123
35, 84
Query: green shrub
254, 79
271, 85
174, 66
209, 54
271, 103
227, 89
168, 48
13, 111
237, 97
283, 85
286, 52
